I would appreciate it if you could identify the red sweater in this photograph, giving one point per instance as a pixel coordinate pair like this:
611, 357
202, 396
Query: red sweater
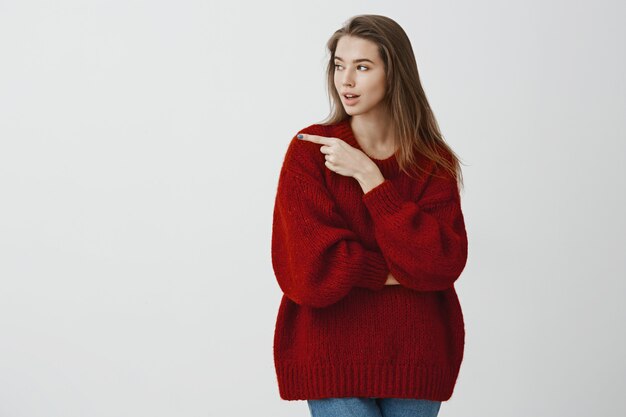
340, 331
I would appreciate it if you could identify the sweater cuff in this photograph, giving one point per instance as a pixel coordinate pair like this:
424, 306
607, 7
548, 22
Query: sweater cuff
383, 200
377, 272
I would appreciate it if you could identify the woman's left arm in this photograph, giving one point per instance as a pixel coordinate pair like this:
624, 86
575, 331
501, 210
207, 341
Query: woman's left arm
425, 242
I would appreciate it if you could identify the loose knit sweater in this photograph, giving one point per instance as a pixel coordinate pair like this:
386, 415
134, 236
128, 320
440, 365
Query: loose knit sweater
340, 331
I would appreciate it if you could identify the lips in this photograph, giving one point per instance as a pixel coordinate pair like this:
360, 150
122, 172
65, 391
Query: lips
350, 101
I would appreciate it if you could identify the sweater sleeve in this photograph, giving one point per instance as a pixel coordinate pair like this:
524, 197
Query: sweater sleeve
425, 242
316, 258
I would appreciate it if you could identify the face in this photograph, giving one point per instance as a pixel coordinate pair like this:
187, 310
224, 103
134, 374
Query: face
360, 71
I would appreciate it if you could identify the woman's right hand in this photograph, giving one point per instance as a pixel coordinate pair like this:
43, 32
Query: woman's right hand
391, 280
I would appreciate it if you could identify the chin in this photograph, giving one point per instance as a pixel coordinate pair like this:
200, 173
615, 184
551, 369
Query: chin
353, 112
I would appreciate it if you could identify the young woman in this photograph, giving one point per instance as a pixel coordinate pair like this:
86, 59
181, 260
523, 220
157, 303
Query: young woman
368, 239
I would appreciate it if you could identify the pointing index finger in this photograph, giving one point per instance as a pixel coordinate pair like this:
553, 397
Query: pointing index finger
314, 138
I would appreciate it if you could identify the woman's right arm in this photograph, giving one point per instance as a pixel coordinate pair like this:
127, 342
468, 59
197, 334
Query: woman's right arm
316, 258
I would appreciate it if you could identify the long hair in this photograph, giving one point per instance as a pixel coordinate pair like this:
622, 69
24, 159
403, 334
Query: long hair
415, 124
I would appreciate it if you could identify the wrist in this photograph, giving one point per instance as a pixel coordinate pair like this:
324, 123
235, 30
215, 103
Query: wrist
369, 178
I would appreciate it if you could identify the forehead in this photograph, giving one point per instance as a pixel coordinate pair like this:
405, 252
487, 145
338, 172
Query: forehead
351, 47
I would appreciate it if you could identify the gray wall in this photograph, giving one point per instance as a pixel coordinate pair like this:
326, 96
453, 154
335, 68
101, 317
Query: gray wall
140, 144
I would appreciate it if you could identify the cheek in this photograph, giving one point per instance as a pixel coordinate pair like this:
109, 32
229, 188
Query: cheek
376, 91
376, 86
381, 86
337, 80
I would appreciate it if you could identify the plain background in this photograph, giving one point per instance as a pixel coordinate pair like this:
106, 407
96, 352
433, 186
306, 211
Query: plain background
140, 145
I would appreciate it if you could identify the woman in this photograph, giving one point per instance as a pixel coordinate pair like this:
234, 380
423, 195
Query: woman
368, 239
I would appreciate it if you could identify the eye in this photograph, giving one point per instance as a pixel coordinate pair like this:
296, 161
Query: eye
360, 66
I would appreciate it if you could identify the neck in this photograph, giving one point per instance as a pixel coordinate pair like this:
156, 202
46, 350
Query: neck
374, 132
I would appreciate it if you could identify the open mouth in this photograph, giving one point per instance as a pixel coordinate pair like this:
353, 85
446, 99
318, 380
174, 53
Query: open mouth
350, 100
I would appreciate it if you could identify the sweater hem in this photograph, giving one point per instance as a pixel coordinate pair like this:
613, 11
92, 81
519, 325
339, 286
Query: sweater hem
298, 381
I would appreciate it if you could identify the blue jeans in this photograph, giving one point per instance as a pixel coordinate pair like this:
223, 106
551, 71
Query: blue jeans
373, 407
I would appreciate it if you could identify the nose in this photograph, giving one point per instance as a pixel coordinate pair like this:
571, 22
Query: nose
347, 79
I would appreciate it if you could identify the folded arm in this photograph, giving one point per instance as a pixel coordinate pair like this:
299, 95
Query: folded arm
425, 242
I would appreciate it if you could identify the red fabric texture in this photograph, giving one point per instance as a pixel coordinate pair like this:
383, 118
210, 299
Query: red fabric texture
340, 331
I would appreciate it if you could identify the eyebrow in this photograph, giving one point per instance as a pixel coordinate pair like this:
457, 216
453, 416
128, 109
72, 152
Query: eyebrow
356, 60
